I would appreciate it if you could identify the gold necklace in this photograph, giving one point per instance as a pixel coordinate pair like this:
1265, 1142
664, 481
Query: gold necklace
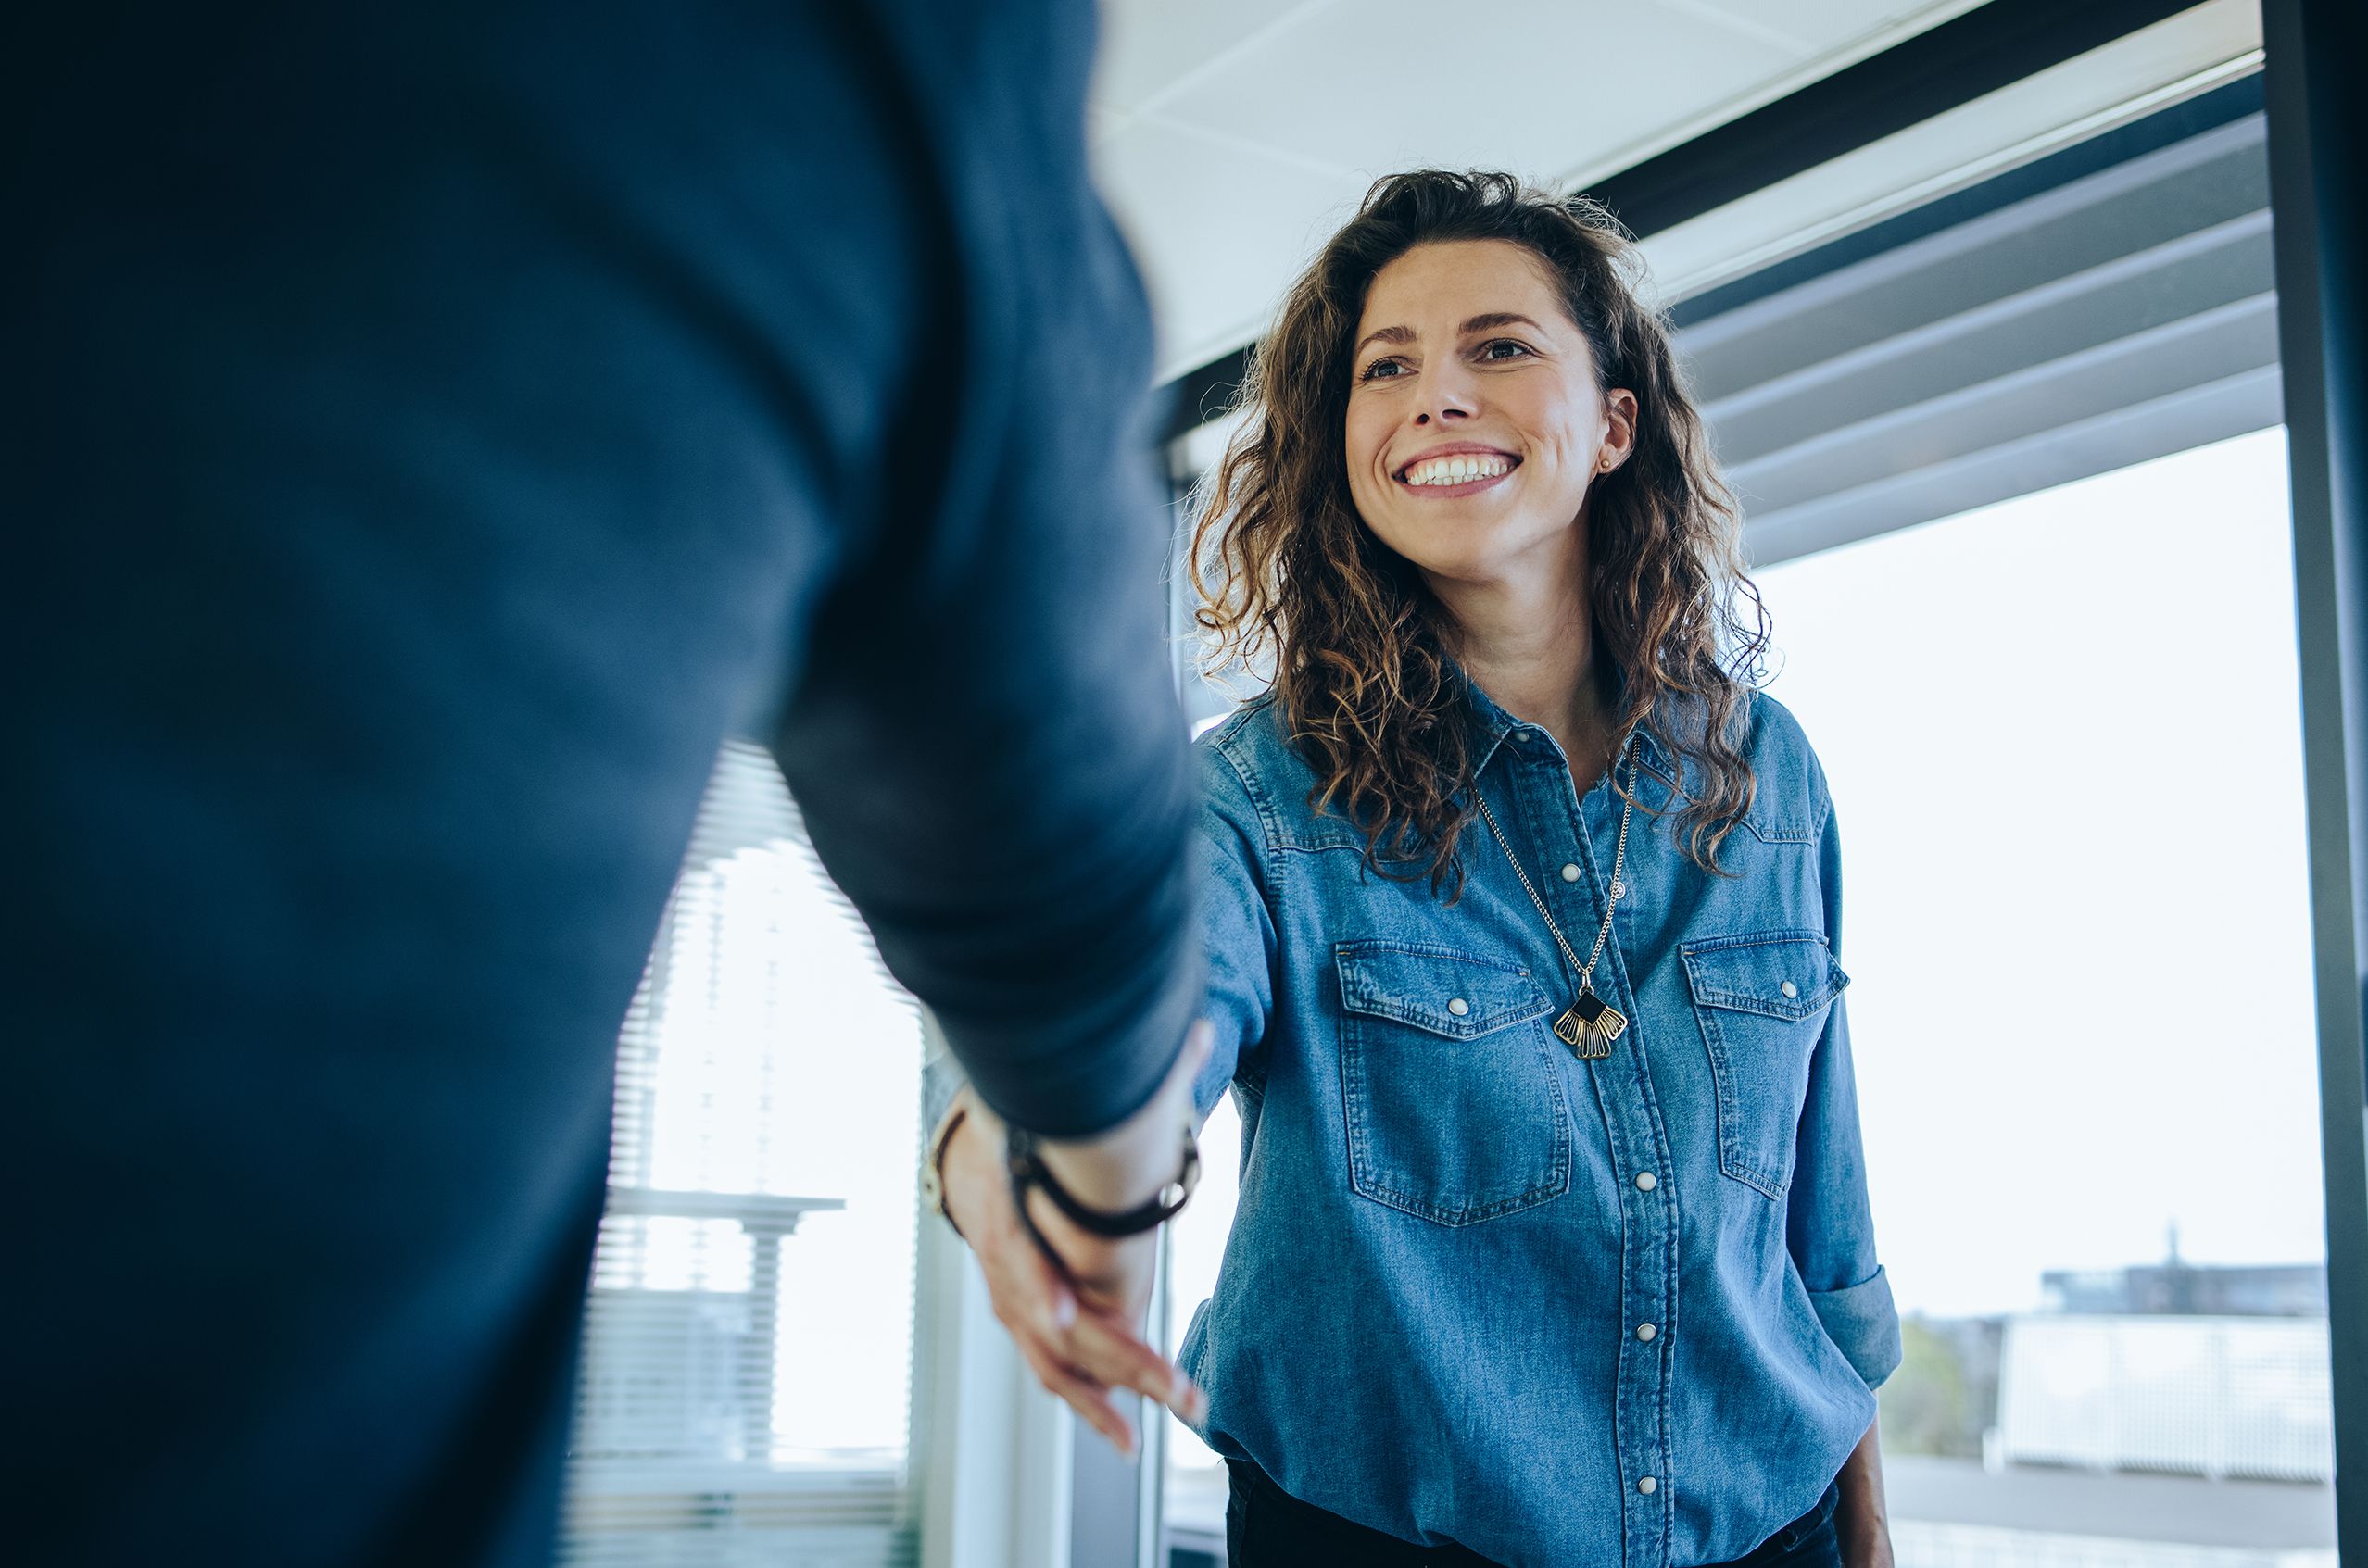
1591, 1024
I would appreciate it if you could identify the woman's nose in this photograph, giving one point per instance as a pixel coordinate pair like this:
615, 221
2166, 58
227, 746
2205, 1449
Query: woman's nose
1443, 396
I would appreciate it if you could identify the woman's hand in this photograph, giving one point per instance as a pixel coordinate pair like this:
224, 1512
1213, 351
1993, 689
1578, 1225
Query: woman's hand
1867, 1547
1861, 1516
1081, 1337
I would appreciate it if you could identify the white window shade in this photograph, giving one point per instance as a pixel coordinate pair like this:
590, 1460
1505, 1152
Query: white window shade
745, 1394
2120, 316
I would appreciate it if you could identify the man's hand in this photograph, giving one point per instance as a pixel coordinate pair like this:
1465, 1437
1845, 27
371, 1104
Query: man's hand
1082, 1340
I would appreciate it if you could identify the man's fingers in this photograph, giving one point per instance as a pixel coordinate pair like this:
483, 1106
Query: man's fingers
1095, 1343
1022, 1283
1087, 1397
1031, 1293
1106, 1349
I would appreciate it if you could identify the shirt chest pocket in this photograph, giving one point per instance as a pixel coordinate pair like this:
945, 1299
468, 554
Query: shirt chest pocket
1455, 1107
1761, 1002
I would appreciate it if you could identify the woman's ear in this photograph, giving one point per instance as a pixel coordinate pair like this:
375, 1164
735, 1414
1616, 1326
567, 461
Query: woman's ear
1619, 429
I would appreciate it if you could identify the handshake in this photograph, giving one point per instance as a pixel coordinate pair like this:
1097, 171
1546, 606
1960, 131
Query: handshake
1074, 1300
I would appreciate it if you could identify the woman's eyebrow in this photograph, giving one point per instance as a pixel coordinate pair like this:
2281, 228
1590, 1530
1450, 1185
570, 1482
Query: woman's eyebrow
1403, 335
1499, 318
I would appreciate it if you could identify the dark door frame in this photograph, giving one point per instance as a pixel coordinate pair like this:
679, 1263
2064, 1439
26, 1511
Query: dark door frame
2317, 125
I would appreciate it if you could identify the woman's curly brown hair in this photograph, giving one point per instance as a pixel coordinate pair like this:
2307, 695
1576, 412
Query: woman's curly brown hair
1293, 583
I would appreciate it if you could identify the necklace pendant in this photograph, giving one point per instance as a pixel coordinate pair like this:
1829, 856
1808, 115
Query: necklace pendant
1591, 1026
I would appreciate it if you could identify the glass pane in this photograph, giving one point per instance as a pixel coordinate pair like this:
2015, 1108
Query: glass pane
2064, 741
746, 1385
1193, 1512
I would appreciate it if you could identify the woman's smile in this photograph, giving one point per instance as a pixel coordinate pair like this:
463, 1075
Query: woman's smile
1462, 468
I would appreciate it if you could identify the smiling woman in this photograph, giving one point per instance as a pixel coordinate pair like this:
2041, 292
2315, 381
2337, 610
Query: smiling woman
1554, 1243
1513, 416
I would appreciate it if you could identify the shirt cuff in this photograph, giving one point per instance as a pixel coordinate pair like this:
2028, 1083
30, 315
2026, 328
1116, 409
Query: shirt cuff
1861, 1320
942, 1079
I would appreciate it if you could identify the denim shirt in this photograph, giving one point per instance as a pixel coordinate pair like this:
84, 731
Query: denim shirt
1478, 1289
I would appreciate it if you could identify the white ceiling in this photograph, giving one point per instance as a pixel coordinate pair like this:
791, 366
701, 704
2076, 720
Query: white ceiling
1231, 136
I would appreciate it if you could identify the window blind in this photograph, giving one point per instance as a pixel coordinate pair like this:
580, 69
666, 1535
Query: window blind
745, 1393
2099, 320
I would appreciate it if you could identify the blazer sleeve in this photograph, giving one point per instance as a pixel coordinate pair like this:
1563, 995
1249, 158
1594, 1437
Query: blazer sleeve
1234, 865
984, 733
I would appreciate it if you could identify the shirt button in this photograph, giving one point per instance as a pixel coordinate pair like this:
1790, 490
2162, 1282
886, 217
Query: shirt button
1570, 871
1790, 989
1645, 1331
1619, 891
1645, 1181
1458, 1006
1646, 1485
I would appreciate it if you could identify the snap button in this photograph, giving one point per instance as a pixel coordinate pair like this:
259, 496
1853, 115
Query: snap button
1646, 1485
1645, 1331
1620, 890
1791, 990
1644, 1181
1570, 871
1458, 1006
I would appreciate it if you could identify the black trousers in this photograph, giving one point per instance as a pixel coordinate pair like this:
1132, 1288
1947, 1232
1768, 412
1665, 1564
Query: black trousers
1267, 1528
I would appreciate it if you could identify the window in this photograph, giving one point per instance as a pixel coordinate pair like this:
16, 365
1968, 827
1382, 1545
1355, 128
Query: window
746, 1387
2066, 762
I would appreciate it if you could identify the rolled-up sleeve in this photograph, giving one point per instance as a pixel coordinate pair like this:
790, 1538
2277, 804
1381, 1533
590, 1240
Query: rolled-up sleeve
1828, 1224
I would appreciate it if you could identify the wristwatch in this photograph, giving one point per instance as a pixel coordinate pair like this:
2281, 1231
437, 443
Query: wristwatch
933, 1170
1026, 1168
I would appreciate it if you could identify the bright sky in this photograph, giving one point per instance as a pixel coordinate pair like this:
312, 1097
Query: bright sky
2063, 739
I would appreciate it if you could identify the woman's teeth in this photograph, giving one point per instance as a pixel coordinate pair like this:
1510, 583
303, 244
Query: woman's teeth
1461, 468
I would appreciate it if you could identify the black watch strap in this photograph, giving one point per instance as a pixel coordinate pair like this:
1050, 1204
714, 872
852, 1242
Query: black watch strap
1027, 1170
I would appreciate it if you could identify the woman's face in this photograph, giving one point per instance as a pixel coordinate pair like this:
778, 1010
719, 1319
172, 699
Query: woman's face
1475, 423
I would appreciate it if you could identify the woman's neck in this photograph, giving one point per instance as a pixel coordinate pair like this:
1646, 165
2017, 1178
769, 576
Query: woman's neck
1529, 644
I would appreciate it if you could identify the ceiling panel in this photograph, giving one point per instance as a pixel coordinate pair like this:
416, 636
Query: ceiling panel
1218, 229
1232, 135
1380, 85
1817, 24
1147, 46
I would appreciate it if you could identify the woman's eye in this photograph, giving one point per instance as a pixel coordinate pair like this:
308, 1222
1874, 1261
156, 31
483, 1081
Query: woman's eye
1489, 350
1381, 369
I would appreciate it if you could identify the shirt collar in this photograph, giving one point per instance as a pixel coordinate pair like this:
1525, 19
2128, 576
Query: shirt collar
1488, 726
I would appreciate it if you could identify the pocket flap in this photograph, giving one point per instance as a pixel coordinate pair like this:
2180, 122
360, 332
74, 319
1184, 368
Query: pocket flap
1751, 973
1447, 993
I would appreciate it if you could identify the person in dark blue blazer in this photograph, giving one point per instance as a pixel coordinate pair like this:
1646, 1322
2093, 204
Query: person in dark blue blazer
428, 431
